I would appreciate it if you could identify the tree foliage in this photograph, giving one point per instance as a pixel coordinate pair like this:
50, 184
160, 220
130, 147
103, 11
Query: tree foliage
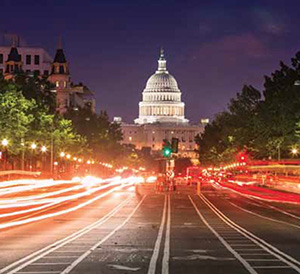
102, 135
264, 123
27, 120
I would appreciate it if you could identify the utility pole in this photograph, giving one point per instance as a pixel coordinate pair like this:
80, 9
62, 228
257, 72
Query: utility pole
51, 154
23, 155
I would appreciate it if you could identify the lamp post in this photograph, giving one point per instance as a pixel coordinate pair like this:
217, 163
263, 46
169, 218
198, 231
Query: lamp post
62, 155
23, 154
43, 150
33, 147
5, 152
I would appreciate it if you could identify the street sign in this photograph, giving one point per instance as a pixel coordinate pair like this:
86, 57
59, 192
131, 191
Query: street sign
170, 173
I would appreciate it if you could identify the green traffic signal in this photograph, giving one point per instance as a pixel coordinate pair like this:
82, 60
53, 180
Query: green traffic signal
167, 152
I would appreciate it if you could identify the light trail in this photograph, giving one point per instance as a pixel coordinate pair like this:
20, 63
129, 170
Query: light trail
32, 186
12, 203
260, 193
117, 183
36, 197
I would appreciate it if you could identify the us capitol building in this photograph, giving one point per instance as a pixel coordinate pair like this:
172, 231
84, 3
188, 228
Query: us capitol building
161, 116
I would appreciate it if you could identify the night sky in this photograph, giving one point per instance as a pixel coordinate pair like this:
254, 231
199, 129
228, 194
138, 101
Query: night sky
212, 47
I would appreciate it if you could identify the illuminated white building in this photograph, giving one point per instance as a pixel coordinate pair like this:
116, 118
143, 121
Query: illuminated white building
161, 116
161, 98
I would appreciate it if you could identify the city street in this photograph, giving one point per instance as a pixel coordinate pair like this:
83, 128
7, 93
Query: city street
137, 230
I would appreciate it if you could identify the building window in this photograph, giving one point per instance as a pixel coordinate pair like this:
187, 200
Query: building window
1, 71
130, 138
36, 72
46, 72
57, 84
28, 59
61, 69
1, 58
28, 71
36, 59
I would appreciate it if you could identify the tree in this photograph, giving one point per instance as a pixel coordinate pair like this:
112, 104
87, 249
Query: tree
103, 136
24, 121
265, 127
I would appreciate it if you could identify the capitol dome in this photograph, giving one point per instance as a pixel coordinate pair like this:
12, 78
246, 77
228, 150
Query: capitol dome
159, 82
161, 98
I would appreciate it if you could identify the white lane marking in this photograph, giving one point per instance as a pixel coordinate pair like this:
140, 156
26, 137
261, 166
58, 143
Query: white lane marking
84, 255
153, 261
122, 267
52, 247
281, 210
287, 259
40, 272
50, 264
243, 245
198, 250
263, 260
166, 256
201, 257
256, 254
222, 240
67, 251
263, 217
248, 249
59, 257
272, 266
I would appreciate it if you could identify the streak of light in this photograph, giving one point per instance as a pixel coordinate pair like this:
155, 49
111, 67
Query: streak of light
116, 182
50, 215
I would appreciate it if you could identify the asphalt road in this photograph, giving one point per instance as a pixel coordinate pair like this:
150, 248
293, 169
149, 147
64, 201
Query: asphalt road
142, 231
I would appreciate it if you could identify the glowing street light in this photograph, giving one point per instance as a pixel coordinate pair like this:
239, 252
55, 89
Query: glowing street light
294, 151
79, 160
62, 154
44, 149
75, 158
68, 156
4, 142
33, 146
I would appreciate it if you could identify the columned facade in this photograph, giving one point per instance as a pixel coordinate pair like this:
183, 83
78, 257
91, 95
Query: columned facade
161, 98
161, 116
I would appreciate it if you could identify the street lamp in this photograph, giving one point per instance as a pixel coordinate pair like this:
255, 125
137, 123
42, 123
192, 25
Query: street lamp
5, 152
68, 156
43, 149
33, 147
4, 142
62, 154
294, 151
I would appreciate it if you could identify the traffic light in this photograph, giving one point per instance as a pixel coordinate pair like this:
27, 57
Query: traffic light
242, 157
166, 149
175, 142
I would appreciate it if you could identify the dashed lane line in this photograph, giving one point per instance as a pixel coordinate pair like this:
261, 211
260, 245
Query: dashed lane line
84, 255
154, 257
20, 264
283, 257
223, 241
